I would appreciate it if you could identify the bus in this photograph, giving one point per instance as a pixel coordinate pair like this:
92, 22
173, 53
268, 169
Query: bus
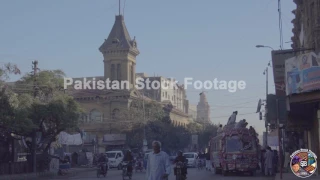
235, 149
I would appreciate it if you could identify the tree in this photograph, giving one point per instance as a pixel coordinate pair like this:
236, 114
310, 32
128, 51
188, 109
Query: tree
140, 117
208, 132
6, 111
194, 128
50, 113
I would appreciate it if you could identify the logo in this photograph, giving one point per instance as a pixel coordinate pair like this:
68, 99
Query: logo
303, 163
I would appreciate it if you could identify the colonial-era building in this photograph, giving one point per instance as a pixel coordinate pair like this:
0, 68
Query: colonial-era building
304, 114
103, 108
203, 110
168, 91
192, 112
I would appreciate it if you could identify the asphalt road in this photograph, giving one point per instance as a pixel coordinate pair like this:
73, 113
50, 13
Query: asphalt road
193, 174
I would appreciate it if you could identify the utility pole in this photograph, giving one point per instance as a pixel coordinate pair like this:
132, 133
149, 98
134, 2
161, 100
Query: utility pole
35, 71
145, 143
279, 139
34, 134
266, 109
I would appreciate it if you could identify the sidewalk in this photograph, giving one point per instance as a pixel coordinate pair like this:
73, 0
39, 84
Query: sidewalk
291, 176
33, 176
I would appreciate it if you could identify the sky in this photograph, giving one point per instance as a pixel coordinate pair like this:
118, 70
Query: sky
204, 39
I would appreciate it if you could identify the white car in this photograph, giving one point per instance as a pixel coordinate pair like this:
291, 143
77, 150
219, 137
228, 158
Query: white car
192, 158
115, 158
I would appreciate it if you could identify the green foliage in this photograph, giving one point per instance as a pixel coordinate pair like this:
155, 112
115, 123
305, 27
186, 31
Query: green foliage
6, 70
50, 113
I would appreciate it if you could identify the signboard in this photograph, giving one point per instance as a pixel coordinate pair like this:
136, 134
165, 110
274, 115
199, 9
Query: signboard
273, 141
278, 64
114, 139
302, 73
276, 109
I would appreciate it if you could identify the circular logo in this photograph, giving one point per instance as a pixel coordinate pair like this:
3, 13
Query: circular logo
303, 163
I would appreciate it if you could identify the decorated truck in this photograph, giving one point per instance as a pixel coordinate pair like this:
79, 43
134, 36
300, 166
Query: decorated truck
235, 148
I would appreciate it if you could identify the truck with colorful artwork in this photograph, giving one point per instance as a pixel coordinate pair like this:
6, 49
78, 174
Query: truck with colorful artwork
235, 148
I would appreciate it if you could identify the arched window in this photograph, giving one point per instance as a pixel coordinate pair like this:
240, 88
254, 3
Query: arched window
95, 115
113, 72
115, 114
119, 72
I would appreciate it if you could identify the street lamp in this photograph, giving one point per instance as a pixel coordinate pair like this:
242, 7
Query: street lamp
263, 46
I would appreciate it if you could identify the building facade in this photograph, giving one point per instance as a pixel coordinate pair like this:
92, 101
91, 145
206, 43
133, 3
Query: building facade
203, 110
303, 125
166, 91
192, 113
103, 109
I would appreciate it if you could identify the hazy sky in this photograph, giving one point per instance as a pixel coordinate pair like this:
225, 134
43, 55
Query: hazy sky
203, 39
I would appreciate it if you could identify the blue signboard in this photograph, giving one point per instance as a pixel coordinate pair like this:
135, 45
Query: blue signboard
302, 73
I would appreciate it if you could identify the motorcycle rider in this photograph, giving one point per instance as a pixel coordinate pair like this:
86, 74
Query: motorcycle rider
103, 159
129, 158
184, 160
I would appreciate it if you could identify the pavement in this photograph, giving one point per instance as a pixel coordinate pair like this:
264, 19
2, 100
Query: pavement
193, 174
291, 176
46, 175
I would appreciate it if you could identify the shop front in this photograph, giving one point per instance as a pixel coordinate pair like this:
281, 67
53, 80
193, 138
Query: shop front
302, 128
302, 79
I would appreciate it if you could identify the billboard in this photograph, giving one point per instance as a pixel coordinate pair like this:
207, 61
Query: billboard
277, 109
278, 65
114, 139
302, 73
273, 141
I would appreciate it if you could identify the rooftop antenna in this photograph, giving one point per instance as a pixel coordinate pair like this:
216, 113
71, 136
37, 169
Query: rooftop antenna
124, 5
119, 7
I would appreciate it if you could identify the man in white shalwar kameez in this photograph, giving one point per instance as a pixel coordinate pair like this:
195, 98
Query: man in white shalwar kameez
158, 165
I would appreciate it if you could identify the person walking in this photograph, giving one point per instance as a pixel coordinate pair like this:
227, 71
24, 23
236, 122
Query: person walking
208, 163
158, 165
268, 162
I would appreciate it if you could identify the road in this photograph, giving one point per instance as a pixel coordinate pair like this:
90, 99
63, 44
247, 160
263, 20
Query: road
193, 174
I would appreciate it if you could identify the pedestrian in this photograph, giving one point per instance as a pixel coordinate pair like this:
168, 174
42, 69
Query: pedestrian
158, 165
268, 162
262, 161
275, 161
208, 164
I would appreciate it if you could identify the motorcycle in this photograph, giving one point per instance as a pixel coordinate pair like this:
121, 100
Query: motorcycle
180, 175
200, 164
138, 166
125, 172
64, 167
102, 170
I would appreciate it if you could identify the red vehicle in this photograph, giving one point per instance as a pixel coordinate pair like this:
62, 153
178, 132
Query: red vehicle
235, 149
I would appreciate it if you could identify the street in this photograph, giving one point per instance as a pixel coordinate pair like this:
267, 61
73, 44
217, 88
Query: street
194, 174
